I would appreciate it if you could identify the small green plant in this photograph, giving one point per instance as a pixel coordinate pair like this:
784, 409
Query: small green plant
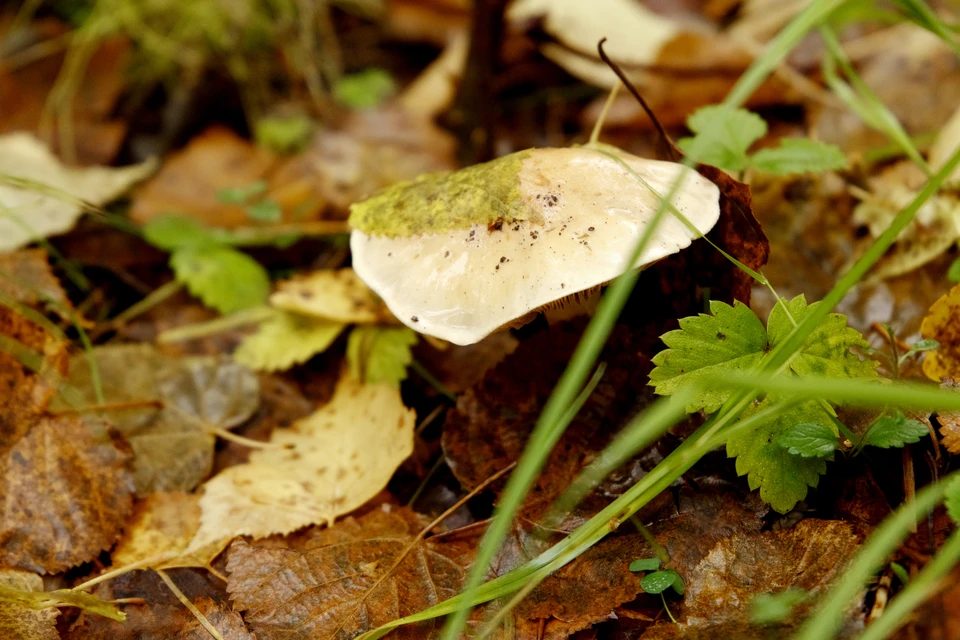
658, 580
723, 136
255, 204
212, 270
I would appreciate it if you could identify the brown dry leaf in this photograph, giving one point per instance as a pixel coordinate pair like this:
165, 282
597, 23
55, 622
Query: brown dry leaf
163, 622
163, 524
326, 465
190, 179
26, 88
333, 294
26, 277
164, 407
32, 212
809, 556
942, 324
342, 581
26, 392
65, 493
18, 622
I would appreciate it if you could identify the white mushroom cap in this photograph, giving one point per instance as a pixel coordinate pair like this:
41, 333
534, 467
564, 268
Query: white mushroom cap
556, 222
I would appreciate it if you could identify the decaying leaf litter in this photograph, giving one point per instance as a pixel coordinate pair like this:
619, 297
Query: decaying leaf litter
225, 417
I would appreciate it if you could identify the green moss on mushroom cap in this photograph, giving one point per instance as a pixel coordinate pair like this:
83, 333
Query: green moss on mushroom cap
483, 194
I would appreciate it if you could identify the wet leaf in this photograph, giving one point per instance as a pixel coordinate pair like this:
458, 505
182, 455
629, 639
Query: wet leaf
65, 493
18, 621
895, 431
376, 354
33, 213
343, 581
320, 468
808, 557
163, 407
941, 324
336, 295
222, 277
286, 339
660, 581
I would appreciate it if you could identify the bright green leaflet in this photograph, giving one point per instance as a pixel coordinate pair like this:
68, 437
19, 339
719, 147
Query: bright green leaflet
660, 581
783, 478
809, 439
732, 339
723, 135
378, 354
170, 232
895, 431
645, 564
222, 277
286, 339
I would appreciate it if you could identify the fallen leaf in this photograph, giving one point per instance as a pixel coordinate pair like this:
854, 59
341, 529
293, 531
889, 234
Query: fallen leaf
26, 277
27, 391
66, 493
338, 295
164, 622
720, 588
949, 421
189, 180
321, 468
162, 525
286, 339
34, 212
165, 406
377, 354
941, 324
20, 622
344, 581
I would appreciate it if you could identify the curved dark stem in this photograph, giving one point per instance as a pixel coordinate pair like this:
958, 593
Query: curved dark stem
666, 149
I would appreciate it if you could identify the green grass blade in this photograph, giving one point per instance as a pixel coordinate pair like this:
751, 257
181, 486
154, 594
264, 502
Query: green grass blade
829, 615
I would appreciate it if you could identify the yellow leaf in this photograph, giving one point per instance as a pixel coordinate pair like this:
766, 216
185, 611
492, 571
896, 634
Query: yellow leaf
943, 325
286, 339
162, 527
332, 294
326, 465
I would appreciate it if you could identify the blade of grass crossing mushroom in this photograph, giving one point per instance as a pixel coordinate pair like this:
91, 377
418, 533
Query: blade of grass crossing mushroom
545, 431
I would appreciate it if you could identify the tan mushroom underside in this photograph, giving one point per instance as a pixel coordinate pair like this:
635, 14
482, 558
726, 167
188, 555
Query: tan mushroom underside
586, 215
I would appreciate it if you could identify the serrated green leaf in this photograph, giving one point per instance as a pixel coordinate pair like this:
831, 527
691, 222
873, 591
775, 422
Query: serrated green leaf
826, 352
170, 232
723, 136
645, 564
364, 90
377, 354
783, 478
286, 339
660, 581
799, 155
951, 500
808, 440
895, 431
222, 277
732, 339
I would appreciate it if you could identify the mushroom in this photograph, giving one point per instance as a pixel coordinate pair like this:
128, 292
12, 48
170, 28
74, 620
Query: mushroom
461, 255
